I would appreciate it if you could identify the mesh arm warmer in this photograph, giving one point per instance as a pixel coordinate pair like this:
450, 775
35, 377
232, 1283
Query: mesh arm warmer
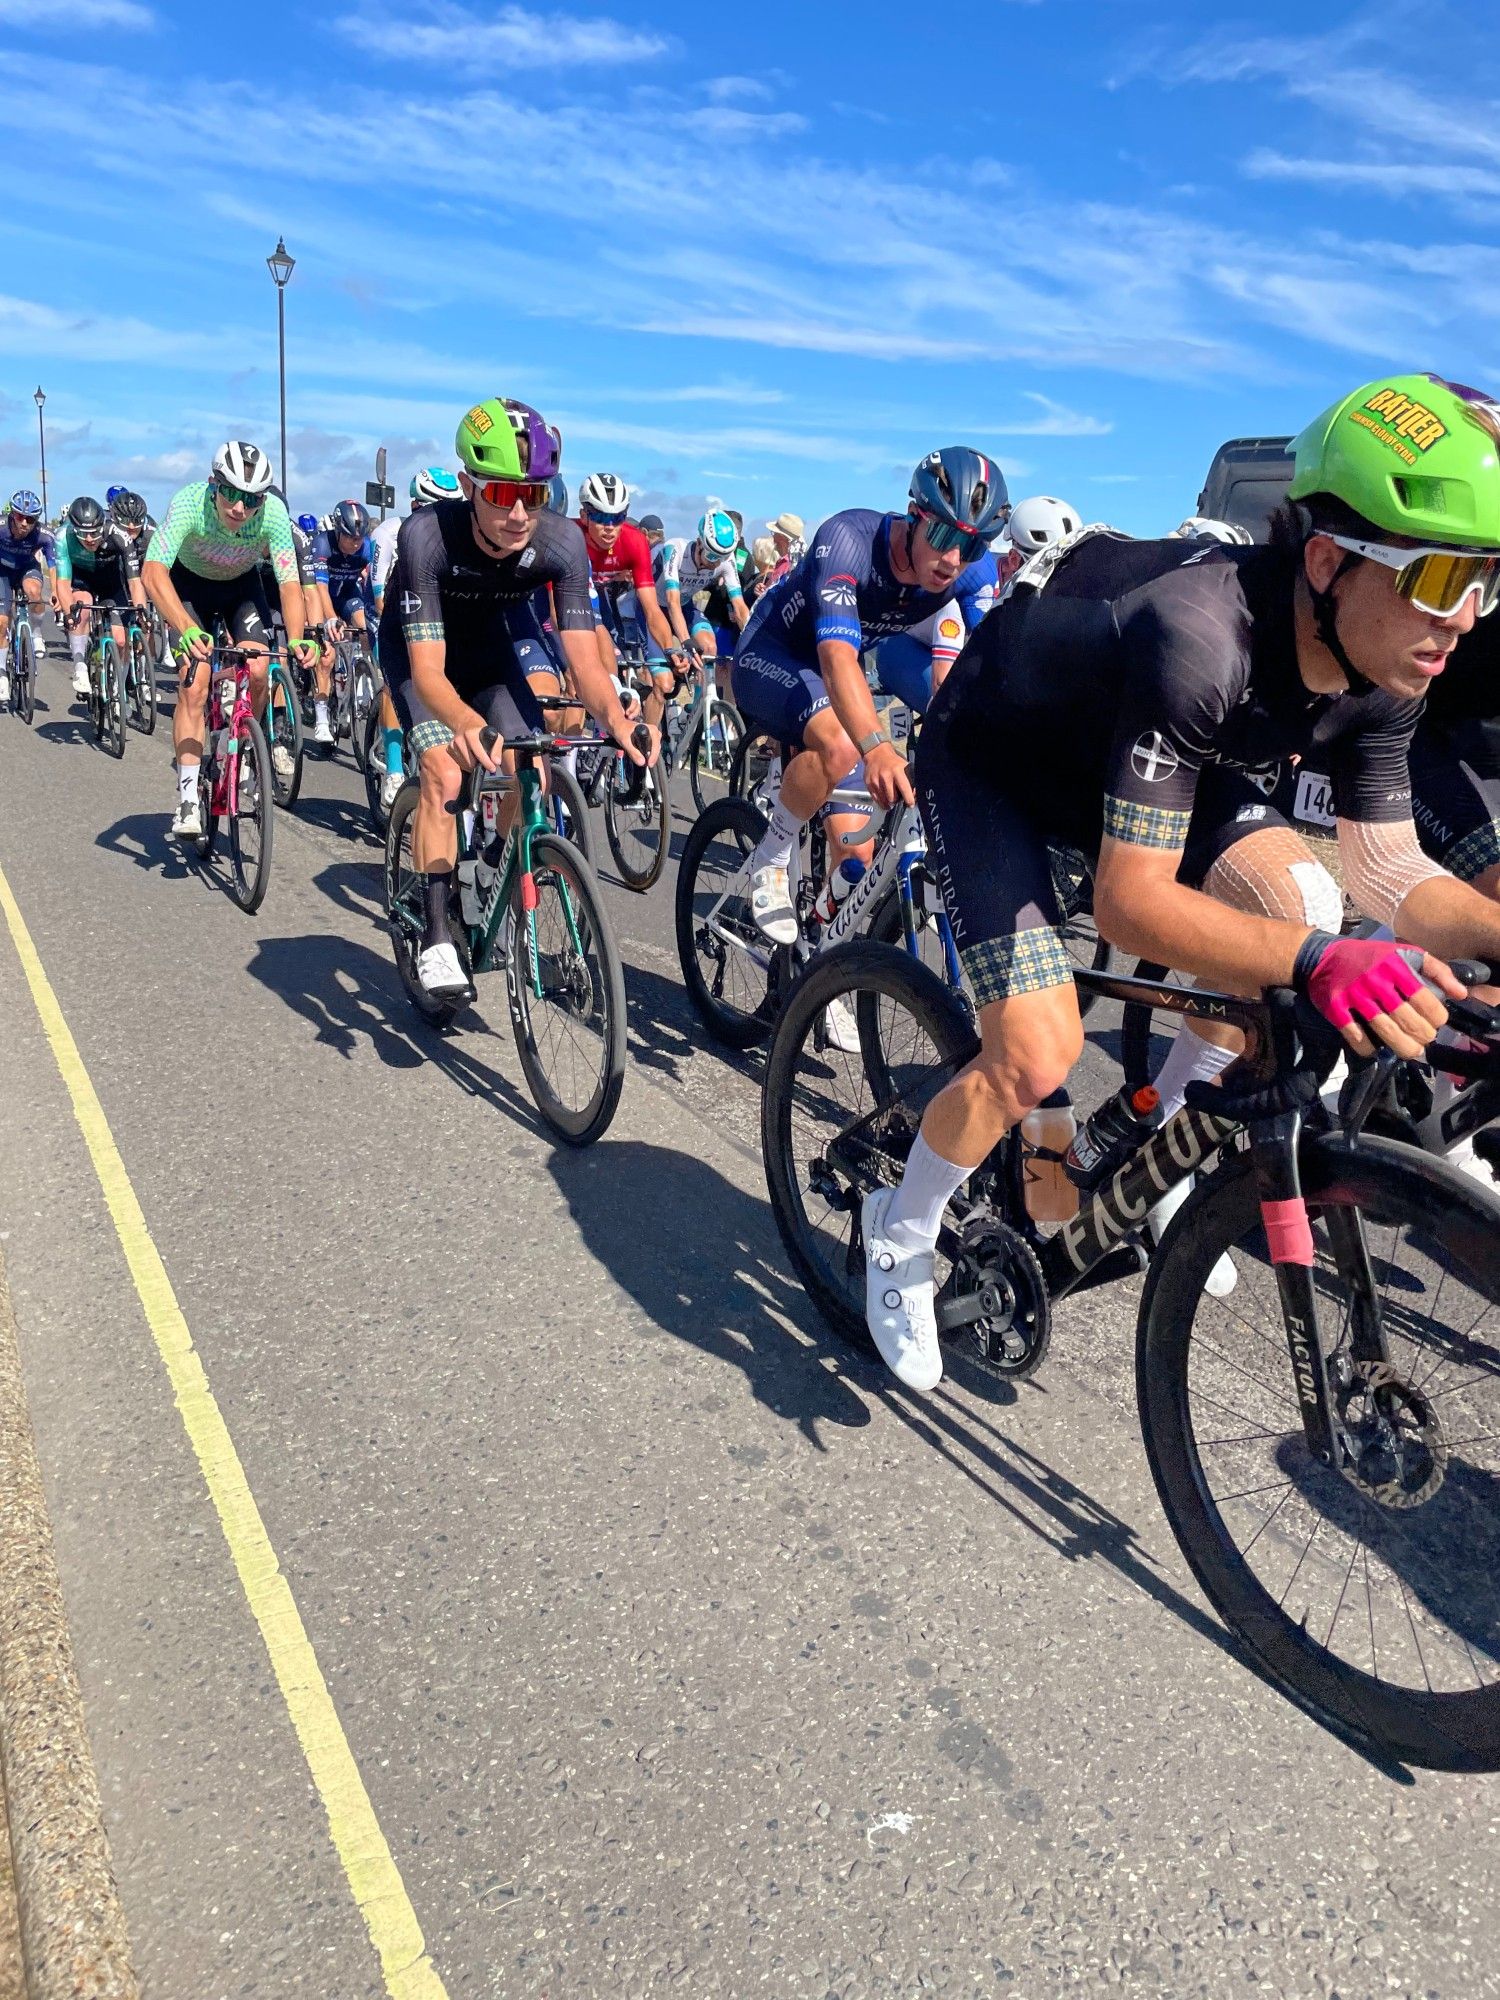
1382, 865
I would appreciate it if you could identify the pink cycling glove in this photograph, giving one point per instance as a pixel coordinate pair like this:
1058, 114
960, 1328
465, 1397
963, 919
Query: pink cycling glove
1349, 977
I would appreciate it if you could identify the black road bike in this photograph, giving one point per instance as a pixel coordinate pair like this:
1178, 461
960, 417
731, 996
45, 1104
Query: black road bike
1325, 1440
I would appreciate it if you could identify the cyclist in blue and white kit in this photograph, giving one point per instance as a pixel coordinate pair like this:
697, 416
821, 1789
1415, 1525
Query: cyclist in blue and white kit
797, 671
343, 558
687, 571
913, 665
26, 551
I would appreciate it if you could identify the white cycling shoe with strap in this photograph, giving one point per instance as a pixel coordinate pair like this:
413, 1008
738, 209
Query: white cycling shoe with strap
899, 1308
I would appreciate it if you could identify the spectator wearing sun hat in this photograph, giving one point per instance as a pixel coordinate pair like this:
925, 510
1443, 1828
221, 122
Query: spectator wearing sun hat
786, 531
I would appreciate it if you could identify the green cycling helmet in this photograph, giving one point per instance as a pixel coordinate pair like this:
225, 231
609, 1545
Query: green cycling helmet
1413, 455
486, 442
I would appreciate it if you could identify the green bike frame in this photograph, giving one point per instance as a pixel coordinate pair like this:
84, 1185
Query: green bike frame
515, 860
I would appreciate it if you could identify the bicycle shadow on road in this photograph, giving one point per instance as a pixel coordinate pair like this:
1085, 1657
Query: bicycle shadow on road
665, 1033
713, 1287
345, 819
69, 731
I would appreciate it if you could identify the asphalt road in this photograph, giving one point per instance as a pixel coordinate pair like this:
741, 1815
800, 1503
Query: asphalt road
675, 1651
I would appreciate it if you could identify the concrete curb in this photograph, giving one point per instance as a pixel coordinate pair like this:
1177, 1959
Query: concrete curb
73, 1940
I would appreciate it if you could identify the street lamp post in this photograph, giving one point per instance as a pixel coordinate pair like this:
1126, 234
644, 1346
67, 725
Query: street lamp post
41, 438
281, 266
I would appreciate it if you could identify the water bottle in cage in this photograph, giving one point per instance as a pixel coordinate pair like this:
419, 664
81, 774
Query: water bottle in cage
1112, 1134
836, 889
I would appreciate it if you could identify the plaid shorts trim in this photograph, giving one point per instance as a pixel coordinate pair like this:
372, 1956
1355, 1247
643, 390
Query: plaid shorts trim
1477, 851
1145, 826
429, 736
1025, 962
425, 632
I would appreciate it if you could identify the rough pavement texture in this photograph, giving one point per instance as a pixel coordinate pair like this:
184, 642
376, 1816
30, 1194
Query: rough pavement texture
677, 1652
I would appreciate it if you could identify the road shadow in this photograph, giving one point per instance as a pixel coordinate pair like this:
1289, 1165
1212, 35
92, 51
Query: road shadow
346, 819
144, 839
357, 887
694, 1257
69, 729
665, 1033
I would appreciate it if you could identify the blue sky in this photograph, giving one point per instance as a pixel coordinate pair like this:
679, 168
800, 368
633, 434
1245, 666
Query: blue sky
774, 260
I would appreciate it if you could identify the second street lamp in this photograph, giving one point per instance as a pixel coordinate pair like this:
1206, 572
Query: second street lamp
41, 438
281, 265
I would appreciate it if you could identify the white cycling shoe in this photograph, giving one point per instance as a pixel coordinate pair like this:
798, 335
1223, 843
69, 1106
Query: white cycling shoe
771, 903
442, 977
322, 731
282, 761
80, 680
187, 821
4, 689
390, 789
899, 1300
841, 1028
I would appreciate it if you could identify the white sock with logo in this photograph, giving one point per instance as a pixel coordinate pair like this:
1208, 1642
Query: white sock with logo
1189, 1060
774, 848
187, 782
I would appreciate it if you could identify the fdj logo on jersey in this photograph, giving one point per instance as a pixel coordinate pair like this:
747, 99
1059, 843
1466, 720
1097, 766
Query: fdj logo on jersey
1406, 423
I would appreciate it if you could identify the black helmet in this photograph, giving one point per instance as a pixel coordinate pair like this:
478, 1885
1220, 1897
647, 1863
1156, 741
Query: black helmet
350, 518
129, 509
86, 515
557, 494
652, 524
963, 489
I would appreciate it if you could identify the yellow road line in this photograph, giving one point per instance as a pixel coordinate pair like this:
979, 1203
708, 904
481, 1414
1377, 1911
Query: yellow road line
367, 1862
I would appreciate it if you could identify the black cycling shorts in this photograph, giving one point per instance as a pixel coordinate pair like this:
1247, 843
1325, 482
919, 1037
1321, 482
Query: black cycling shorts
507, 705
239, 600
1455, 794
106, 584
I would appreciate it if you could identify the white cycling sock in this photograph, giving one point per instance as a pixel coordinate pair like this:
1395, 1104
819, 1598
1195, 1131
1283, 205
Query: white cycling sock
928, 1185
570, 761
774, 848
1189, 1060
187, 782
320, 710
78, 646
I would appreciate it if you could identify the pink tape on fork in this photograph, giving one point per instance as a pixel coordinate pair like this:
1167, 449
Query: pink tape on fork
1288, 1231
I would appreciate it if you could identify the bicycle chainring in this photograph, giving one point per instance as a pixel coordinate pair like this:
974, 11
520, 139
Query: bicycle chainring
995, 1309
1392, 1446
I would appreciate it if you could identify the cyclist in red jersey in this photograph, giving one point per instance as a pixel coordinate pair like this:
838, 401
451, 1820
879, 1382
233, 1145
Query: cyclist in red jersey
620, 560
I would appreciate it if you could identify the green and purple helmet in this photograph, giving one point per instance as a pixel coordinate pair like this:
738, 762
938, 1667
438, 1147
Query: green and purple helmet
486, 443
1413, 455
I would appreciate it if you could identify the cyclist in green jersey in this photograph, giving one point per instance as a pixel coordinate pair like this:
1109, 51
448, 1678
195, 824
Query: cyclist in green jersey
202, 567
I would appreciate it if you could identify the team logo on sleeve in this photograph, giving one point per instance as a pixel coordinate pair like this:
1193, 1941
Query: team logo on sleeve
410, 602
949, 628
840, 591
1152, 757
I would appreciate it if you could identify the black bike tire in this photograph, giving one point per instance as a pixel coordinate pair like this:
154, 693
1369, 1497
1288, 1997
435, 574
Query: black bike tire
436, 1013
140, 680
734, 726
862, 966
638, 879
1459, 1732
286, 789
570, 794
372, 764
730, 1025
247, 887
26, 678
112, 698
549, 851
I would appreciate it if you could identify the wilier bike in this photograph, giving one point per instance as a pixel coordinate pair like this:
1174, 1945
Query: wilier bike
234, 780
1325, 1440
533, 905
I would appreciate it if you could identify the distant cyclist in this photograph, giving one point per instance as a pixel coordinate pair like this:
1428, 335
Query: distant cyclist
97, 564
688, 569
620, 562
27, 552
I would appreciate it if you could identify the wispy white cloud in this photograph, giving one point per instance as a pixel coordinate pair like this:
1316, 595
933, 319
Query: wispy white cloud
725, 89
440, 31
1445, 178
127, 14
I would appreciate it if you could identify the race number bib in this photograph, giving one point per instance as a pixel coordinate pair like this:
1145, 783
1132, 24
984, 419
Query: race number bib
1314, 799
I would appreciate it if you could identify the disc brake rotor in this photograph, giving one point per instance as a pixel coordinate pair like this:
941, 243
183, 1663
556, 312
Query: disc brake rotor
1392, 1443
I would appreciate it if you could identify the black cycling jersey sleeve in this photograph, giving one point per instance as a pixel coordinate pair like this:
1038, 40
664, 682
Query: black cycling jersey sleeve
562, 559
421, 563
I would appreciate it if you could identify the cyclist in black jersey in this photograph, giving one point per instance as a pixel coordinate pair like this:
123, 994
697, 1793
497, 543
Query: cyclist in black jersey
1127, 721
465, 570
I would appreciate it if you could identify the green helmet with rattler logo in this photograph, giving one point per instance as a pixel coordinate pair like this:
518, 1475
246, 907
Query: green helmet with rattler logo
486, 443
1414, 455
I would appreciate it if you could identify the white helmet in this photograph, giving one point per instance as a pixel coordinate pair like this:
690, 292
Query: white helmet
243, 465
1197, 527
605, 492
1039, 522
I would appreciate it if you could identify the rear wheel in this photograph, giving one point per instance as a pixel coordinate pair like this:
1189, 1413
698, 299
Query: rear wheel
729, 968
372, 764
111, 697
251, 822
284, 731
570, 811
406, 911
141, 681
712, 752
567, 992
836, 1124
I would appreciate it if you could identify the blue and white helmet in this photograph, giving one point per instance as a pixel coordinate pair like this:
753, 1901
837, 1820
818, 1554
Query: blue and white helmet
25, 503
431, 484
717, 534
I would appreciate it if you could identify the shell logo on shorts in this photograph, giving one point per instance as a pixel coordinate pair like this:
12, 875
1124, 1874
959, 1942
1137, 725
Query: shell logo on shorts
479, 420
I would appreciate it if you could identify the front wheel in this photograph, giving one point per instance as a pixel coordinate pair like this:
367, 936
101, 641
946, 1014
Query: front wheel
639, 830
23, 687
250, 820
712, 752
728, 967
285, 733
567, 991
1368, 1587
142, 683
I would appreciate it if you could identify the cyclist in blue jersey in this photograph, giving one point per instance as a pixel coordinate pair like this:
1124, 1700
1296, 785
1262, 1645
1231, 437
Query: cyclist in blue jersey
26, 551
343, 562
913, 665
797, 672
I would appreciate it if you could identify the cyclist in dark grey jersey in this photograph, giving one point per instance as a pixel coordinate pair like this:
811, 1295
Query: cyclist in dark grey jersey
1128, 724
464, 577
